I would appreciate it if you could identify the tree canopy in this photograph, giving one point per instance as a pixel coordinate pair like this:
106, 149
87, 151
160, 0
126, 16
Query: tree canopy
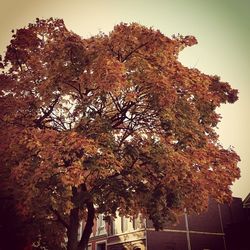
110, 123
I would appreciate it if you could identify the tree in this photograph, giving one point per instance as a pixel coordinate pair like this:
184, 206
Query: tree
109, 123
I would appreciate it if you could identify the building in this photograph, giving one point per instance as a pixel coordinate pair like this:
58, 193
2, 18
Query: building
237, 233
213, 230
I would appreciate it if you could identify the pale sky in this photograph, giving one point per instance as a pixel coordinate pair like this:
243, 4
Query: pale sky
222, 28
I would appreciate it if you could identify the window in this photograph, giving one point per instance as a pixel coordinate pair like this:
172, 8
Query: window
100, 225
101, 246
124, 224
113, 229
135, 223
116, 225
139, 222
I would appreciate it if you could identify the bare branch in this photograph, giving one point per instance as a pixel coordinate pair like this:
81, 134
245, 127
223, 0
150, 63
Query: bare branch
39, 121
133, 51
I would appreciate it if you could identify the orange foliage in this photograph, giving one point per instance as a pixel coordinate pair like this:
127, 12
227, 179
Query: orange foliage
117, 114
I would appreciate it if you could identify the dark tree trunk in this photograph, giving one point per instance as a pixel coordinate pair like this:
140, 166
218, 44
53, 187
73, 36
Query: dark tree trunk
74, 220
88, 226
72, 231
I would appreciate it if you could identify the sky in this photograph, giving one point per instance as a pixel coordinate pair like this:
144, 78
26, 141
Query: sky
222, 28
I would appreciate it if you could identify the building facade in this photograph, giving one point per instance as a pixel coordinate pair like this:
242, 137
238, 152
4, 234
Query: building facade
207, 231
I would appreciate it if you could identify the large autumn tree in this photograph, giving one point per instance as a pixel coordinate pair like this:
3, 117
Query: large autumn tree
109, 123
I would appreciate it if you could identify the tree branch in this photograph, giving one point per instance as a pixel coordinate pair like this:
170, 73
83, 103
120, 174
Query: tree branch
75, 88
119, 117
39, 121
134, 50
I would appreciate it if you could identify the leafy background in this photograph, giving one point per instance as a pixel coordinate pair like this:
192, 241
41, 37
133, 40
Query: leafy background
221, 27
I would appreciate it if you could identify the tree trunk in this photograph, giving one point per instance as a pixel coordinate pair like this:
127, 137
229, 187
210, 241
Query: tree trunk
88, 226
72, 231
